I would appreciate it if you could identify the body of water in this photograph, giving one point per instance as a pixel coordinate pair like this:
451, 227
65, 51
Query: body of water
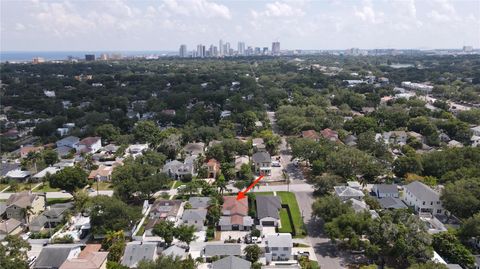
27, 56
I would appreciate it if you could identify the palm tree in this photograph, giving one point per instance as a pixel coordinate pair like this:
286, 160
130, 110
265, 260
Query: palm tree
111, 237
27, 212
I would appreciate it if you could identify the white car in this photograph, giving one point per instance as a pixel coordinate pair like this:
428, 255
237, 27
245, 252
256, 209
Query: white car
276, 164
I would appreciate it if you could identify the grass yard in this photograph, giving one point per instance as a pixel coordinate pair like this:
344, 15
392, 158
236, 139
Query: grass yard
178, 183
289, 199
314, 265
285, 221
3, 186
51, 201
46, 188
102, 186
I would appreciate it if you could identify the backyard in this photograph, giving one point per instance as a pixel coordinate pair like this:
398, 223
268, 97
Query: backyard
288, 198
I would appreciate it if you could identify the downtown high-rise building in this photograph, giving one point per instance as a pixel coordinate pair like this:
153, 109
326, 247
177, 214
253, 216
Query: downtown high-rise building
276, 48
220, 48
200, 51
226, 49
183, 51
241, 48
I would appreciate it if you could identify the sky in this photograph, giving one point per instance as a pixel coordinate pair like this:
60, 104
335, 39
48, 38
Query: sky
80, 25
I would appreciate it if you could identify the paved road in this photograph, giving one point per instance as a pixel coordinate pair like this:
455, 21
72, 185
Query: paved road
324, 250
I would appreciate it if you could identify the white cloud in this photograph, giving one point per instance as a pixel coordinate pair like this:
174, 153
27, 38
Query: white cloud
367, 13
279, 9
20, 27
199, 8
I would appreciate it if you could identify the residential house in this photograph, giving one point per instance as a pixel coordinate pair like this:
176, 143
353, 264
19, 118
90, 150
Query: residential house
213, 168
385, 190
423, 199
417, 136
10, 227
235, 215
137, 149
346, 192
354, 184
69, 142
395, 137
391, 203
350, 140
49, 218
329, 134
258, 144
163, 210
194, 148
7, 166
175, 251
268, 208
19, 203
139, 251
311, 134
18, 175
358, 206
222, 250
25, 150
195, 217
262, 162
53, 256
454, 144
231, 262
199, 202
476, 130
178, 170
239, 161
89, 145
102, 173
278, 247
49, 170
87, 260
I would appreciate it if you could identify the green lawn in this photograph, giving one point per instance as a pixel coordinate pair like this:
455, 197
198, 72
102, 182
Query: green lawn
314, 265
285, 221
3, 186
46, 188
178, 183
289, 199
102, 186
51, 201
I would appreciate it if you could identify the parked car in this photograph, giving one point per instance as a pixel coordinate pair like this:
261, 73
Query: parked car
276, 164
303, 253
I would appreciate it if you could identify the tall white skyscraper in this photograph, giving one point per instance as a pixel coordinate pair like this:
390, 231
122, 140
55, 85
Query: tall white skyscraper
200, 50
183, 51
220, 47
241, 48
226, 49
276, 48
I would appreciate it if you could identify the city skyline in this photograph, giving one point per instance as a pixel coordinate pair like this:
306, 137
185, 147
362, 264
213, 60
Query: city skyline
122, 25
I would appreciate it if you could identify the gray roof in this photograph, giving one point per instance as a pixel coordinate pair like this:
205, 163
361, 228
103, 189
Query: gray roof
3, 207
52, 256
69, 140
268, 206
223, 250
346, 191
387, 188
7, 167
175, 251
231, 262
137, 251
279, 240
199, 202
194, 214
391, 203
422, 191
261, 157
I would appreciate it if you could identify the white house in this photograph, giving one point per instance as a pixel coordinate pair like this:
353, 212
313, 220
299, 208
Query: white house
89, 145
385, 190
422, 198
278, 247
346, 193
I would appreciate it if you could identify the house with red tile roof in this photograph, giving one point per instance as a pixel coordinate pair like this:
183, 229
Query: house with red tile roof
310, 134
235, 215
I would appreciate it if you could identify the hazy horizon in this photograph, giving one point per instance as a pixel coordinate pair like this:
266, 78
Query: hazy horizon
162, 25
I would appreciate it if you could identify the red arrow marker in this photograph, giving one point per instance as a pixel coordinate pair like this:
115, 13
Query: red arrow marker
241, 194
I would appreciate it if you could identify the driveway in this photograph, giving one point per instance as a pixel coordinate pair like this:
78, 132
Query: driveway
233, 235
